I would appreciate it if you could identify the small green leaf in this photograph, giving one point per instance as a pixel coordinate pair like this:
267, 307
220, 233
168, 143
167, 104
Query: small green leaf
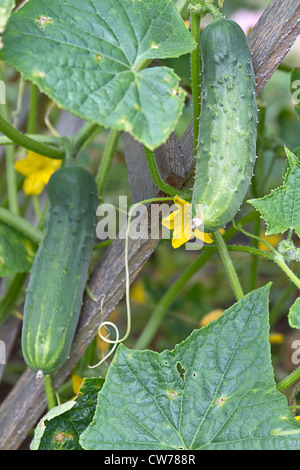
216, 390
281, 208
60, 428
88, 57
16, 251
294, 314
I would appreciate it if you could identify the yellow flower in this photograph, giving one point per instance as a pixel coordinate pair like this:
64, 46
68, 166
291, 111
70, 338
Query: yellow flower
213, 315
276, 338
138, 292
37, 170
76, 383
180, 221
272, 239
297, 418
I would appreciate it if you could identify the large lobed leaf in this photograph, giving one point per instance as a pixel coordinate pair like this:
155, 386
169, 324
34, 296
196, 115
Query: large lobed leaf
87, 57
215, 390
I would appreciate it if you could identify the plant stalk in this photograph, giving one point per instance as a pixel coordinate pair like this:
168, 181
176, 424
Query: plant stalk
27, 142
50, 396
25, 227
232, 275
106, 161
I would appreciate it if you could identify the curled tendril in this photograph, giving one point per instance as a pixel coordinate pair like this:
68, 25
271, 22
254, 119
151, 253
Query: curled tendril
106, 324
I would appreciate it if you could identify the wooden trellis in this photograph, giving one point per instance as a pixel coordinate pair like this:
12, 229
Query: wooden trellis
270, 40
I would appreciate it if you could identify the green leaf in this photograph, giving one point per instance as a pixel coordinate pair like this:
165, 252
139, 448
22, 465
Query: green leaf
60, 428
6, 7
16, 251
281, 208
216, 390
294, 314
87, 56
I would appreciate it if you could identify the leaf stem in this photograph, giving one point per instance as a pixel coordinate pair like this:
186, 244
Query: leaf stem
232, 275
254, 262
106, 161
27, 142
50, 396
281, 263
33, 109
289, 380
11, 176
84, 135
159, 182
20, 224
43, 139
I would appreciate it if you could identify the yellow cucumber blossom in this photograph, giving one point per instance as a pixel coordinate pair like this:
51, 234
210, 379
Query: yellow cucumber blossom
182, 224
37, 170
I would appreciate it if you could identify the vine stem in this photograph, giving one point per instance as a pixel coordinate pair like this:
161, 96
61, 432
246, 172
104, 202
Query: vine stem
50, 396
43, 139
289, 380
27, 142
106, 161
281, 263
232, 275
87, 132
159, 182
33, 109
11, 178
20, 224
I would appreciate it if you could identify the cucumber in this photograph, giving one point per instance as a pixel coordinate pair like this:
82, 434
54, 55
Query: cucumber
60, 269
227, 126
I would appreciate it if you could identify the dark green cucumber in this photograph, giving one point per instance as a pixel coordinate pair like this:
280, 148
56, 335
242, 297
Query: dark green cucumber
60, 269
227, 126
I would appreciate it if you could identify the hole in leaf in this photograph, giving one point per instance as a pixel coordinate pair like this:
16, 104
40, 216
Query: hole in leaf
180, 370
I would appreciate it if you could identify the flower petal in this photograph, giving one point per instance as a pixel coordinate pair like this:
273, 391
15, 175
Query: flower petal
168, 221
203, 236
33, 185
180, 203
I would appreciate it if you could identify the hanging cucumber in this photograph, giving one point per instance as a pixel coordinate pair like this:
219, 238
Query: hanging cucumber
60, 270
227, 126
